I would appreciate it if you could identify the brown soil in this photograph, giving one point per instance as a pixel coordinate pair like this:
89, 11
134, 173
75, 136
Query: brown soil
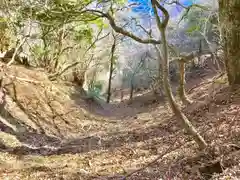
49, 132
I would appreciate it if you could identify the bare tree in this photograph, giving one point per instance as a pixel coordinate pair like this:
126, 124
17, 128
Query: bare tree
162, 25
175, 107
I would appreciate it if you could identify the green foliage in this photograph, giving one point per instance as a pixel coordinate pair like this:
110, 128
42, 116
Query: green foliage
4, 34
96, 86
194, 28
195, 21
54, 17
120, 2
192, 20
38, 52
115, 58
99, 23
62, 23
82, 32
94, 90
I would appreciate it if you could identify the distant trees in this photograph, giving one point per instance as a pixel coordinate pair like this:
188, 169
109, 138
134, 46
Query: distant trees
55, 35
134, 70
67, 40
162, 23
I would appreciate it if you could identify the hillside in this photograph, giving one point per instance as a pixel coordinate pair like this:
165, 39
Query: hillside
49, 132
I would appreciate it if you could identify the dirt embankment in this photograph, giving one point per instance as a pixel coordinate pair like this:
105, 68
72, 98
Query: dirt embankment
49, 132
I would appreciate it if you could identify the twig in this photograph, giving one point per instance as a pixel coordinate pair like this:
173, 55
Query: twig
154, 161
15, 52
98, 38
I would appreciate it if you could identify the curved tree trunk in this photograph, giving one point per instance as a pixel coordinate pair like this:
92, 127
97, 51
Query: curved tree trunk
230, 23
165, 65
162, 24
174, 106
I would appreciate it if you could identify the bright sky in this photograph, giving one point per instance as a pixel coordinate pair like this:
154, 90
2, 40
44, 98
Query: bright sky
145, 6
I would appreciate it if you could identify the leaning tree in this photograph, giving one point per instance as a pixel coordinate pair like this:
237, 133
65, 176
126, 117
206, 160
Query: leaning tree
162, 23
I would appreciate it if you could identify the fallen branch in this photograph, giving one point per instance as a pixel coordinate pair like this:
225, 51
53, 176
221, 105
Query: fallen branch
203, 83
207, 82
167, 151
22, 79
16, 51
4, 69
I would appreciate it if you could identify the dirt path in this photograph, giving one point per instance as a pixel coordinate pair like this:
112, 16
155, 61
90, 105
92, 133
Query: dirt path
63, 140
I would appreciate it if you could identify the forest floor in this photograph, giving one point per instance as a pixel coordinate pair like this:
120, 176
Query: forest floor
49, 132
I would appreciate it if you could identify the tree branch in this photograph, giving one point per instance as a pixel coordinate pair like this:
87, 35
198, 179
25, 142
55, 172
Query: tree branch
165, 12
122, 31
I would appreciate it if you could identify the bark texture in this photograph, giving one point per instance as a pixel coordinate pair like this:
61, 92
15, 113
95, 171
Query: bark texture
111, 70
181, 89
165, 65
174, 106
229, 11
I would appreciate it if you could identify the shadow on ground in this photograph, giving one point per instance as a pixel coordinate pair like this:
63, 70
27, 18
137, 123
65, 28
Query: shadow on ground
26, 134
218, 124
139, 104
161, 133
122, 110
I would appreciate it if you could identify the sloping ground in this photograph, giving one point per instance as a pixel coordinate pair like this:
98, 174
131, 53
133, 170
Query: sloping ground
47, 135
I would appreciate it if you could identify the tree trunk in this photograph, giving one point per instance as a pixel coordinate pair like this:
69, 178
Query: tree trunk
111, 70
78, 78
122, 91
44, 61
162, 24
131, 89
230, 23
181, 89
175, 107
59, 50
160, 78
121, 95
110, 83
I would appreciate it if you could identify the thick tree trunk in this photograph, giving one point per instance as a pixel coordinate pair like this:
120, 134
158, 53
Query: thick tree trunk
229, 12
158, 88
175, 107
